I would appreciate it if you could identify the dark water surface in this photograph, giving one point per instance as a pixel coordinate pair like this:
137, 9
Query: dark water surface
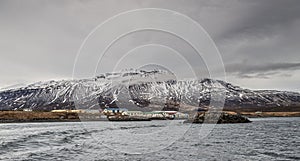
263, 139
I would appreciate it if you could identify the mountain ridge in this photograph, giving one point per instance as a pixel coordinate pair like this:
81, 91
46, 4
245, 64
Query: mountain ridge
142, 89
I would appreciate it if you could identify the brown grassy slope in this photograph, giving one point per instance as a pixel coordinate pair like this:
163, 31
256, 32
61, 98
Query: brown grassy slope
22, 116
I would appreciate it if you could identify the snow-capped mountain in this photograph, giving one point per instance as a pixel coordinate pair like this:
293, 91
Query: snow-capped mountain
139, 88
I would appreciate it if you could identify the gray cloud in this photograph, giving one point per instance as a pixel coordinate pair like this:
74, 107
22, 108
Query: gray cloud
39, 39
254, 68
265, 16
245, 70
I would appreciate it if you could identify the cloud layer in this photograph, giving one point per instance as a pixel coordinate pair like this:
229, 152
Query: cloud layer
258, 39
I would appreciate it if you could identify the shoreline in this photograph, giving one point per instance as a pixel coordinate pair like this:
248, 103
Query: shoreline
270, 114
36, 117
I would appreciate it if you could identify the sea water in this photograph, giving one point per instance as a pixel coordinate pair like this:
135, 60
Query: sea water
263, 139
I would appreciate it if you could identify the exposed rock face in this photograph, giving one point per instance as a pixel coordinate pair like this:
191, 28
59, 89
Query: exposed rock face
219, 118
132, 89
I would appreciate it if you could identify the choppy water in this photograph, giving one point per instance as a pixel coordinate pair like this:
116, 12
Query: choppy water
263, 139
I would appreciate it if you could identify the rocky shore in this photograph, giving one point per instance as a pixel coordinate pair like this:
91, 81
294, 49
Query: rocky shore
218, 117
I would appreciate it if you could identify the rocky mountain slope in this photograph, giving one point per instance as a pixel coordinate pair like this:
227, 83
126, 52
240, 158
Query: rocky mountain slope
143, 89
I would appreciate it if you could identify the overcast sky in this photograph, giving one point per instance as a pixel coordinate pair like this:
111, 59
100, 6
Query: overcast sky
259, 40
